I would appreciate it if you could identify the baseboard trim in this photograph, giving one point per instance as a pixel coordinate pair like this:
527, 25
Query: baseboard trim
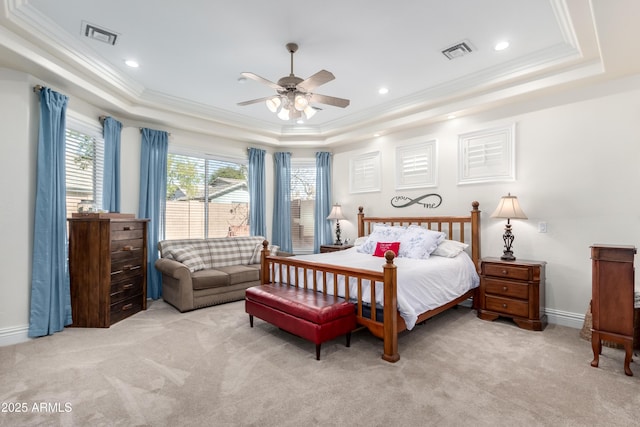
18, 334
14, 335
565, 318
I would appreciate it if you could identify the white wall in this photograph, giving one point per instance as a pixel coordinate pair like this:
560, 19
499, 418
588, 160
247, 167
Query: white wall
18, 146
577, 169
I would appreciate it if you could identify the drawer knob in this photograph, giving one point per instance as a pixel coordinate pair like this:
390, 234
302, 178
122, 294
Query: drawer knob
504, 288
505, 272
128, 286
127, 307
126, 228
504, 305
127, 248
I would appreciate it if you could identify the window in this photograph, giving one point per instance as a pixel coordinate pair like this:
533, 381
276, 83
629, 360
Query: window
487, 155
303, 199
84, 162
192, 181
364, 173
415, 165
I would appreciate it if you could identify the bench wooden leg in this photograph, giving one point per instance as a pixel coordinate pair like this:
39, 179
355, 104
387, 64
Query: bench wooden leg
251, 320
349, 339
318, 351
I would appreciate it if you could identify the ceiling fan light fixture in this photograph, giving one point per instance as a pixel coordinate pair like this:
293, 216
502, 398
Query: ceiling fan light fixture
294, 94
309, 111
273, 103
301, 101
283, 114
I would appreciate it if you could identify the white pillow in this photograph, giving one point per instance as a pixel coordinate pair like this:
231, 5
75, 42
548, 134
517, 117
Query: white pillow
380, 233
418, 242
450, 248
256, 257
360, 241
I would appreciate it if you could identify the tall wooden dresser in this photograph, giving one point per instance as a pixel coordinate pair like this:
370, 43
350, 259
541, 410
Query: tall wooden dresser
107, 268
612, 304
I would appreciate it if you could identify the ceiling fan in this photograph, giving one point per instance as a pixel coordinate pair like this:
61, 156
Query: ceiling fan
295, 95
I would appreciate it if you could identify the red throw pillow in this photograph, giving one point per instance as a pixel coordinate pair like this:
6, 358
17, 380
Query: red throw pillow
383, 247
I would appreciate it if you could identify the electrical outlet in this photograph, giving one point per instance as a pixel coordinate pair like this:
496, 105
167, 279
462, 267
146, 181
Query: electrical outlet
542, 227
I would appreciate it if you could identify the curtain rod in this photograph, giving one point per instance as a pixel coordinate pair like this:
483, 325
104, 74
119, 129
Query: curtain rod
37, 88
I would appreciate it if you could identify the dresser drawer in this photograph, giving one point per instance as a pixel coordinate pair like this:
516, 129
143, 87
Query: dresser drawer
506, 288
125, 269
125, 308
125, 289
127, 230
126, 245
507, 271
507, 306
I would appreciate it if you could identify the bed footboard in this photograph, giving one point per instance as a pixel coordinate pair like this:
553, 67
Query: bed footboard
317, 277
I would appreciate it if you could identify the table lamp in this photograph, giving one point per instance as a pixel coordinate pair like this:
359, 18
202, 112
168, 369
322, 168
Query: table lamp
508, 208
336, 213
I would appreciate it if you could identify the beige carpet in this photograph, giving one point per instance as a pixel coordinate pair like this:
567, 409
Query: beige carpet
209, 368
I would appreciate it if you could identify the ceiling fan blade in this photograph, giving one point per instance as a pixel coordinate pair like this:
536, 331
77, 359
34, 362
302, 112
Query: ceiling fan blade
330, 100
319, 78
262, 80
254, 101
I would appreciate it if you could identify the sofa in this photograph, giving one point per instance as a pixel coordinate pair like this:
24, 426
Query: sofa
199, 273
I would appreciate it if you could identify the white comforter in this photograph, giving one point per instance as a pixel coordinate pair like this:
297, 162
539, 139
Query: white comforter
422, 284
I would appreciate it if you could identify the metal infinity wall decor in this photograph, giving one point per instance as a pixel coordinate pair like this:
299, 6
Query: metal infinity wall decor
428, 201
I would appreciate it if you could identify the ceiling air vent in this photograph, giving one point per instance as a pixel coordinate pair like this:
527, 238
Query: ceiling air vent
458, 50
96, 33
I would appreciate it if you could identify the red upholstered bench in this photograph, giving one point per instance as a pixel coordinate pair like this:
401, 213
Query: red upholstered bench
302, 312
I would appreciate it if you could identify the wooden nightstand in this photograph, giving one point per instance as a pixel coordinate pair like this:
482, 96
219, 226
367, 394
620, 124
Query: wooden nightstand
513, 289
333, 248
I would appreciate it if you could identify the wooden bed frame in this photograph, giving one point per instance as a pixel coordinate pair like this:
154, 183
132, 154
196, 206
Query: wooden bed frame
465, 229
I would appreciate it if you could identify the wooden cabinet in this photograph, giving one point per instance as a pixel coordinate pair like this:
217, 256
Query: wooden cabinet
513, 289
333, 248
612, 305
107, 268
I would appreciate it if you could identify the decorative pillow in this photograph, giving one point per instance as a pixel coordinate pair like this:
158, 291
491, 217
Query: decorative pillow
257, 253
418, 242
380, 233
450, 248
189, 257
382, 247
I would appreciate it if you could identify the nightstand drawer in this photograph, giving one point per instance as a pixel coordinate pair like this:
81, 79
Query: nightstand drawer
508, 271
506, 288
507, 306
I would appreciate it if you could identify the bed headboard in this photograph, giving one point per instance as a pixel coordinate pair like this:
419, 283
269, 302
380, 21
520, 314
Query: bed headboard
464, 229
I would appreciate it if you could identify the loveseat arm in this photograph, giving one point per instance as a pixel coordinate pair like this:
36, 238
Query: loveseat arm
173, 268
177, 287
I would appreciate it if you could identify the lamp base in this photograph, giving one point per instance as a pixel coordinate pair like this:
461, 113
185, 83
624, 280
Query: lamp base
508, 256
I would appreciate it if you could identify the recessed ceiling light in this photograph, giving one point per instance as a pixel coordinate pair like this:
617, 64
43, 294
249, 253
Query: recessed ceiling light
451, 116
501, 45
375, 135
131, 63
383, 91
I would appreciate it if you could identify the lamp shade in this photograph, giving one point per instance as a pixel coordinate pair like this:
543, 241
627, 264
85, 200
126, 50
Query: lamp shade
509, 208
273, 104
336, 213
